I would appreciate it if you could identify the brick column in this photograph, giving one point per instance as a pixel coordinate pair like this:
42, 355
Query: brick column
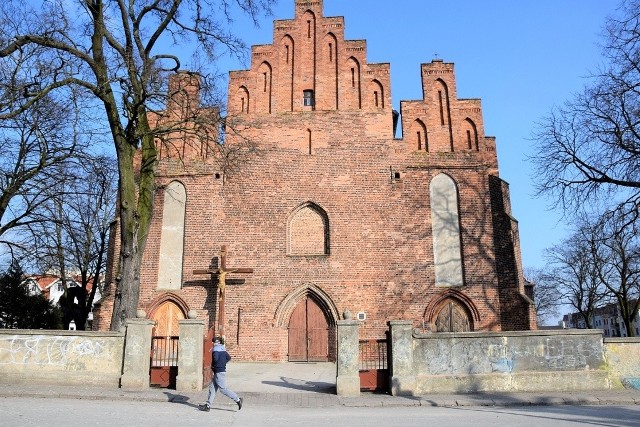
403, 378
348, 379
135, 372
190, 351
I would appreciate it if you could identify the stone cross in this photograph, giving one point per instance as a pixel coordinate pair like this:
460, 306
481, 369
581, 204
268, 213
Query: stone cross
222, 272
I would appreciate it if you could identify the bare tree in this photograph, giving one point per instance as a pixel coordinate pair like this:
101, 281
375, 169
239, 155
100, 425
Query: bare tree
33, 145
121, 54
589, 149
72, 238
615, 247
546, 295
572, 270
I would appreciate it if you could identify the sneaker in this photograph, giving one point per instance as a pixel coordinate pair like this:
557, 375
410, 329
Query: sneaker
239, 402
204, 407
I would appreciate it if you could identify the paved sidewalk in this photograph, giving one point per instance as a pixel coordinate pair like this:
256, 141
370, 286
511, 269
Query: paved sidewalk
313, 385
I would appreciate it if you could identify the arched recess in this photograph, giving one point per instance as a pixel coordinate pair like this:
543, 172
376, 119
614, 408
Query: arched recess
470, 134
306, 57
445, 109
376, 94
287, 61
242, 100
310, 317
417, 137
331, 87
445, 228
353, 91
167, 310
308, 231
265, 88
172, 236
451, 311
310, 30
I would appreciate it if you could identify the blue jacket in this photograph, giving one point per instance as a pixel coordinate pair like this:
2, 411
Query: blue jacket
220, 358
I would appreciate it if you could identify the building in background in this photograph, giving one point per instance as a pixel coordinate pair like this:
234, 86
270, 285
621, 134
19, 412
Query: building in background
607, 318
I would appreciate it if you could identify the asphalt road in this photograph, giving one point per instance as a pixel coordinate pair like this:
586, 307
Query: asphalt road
51, 412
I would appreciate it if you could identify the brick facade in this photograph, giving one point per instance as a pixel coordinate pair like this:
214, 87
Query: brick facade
327, 159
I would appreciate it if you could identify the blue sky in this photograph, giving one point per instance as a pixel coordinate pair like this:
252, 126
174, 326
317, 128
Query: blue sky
521, 57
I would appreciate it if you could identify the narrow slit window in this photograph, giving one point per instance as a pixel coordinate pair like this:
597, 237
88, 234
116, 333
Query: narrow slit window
308, 29
287, 47
375, 97
330, 52
353, 77
265, 81
242, 109
307, 98
309, 137
419, 141
441, 108
469, 139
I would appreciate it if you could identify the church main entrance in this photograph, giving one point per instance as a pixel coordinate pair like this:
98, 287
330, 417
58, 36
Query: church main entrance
308, 333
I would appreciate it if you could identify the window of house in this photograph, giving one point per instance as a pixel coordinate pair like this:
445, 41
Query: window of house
307, 100
60, 287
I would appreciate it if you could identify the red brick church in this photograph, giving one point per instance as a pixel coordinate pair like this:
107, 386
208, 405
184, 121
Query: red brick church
335, 214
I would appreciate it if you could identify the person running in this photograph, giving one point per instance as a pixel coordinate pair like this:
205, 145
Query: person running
219, 361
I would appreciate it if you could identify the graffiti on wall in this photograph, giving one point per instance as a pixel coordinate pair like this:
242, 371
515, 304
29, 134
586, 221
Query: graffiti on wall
48, 350
504, 355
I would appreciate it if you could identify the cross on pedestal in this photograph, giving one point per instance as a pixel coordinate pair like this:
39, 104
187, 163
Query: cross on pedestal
222, 272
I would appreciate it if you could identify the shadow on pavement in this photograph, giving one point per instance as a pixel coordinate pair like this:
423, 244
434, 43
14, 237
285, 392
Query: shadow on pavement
297, 384
179, 398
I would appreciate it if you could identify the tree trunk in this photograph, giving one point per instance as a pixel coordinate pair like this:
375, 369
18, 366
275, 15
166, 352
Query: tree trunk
127, 292
136, 209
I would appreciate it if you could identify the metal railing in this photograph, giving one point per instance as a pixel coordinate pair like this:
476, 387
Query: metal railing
373, 354
164, 351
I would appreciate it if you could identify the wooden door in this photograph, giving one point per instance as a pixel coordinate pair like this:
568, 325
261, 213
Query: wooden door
167, 317
308, 333
453, 318
164, 351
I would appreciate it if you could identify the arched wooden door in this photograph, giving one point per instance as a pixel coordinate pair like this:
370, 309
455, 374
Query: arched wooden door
452, 317
308, 333
164, 347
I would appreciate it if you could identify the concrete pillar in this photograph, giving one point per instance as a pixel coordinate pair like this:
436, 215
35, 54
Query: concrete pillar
190, 353
135, 372
348, 378
403, 378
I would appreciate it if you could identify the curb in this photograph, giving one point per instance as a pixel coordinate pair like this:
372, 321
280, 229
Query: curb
314, 400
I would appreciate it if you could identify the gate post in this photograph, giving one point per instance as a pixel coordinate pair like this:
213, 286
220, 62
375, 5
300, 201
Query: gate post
137, 351
403, 377
190, 348
348, 377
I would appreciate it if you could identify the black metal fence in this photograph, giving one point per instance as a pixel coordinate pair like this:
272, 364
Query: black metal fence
373, 354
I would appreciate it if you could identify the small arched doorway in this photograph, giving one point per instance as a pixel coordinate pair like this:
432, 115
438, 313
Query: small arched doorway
164, 345
308, 332
452, 317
